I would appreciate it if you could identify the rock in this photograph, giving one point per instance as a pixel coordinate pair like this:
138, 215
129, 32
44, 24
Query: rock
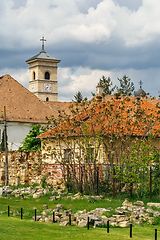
114, 224
46, 191
100, 211
59, 207
105, 219
22, 196
127, 203
127, 214
94, 217
77, 194
98, 197
149, 210
42, 219
124, 224
45, 206
37, 218
44, 213
52, 198
65, 223
1, 191
98, 223
146, 215
151, 220
150, 204
7, 190
37, 195
1, 212
82, 223
63, 219
156, 214
137, 222
17, 195
139, 203
68, 212
48, 220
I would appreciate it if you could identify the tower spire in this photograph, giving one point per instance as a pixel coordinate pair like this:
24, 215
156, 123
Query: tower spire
43, 40
140, 83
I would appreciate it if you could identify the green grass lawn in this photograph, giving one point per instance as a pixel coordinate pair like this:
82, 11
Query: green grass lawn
14, 228
29, 205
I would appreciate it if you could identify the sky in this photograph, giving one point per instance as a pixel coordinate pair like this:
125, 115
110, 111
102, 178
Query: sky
91, 37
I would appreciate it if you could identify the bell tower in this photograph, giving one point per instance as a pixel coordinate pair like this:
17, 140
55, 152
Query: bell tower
43, 75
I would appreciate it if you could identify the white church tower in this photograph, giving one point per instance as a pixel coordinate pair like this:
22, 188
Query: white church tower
43, 75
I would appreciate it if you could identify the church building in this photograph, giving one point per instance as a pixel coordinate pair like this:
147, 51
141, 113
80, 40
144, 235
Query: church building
25, 108
43, 75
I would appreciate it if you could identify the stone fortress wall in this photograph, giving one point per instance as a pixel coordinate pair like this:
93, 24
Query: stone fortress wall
24, 168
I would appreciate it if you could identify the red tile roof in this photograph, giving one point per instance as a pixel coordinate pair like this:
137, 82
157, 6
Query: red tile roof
114, 116
22, 105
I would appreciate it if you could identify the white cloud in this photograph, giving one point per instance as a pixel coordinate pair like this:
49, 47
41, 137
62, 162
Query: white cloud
95, 34
62, 20
85, 80
142, 26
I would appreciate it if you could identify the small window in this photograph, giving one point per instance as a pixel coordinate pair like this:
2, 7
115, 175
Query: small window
47, 75
34, 75
47, 99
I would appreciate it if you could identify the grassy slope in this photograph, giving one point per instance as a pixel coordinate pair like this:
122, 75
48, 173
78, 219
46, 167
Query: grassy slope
28, 205
15, 229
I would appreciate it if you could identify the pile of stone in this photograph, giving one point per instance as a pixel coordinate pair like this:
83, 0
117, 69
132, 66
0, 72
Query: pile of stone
80, 218
126, 214
73, 197
30, 191
133, 213
129, 212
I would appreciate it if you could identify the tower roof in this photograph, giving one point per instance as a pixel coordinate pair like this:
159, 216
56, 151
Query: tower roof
43, 55
140, 93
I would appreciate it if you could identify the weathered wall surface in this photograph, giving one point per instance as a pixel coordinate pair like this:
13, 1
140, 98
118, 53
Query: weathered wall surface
28, 168
24, 168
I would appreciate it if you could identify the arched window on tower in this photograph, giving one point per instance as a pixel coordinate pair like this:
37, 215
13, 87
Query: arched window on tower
34, 75
47, 75
47, 99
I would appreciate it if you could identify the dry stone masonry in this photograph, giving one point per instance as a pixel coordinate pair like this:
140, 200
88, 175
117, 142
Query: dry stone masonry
127, 213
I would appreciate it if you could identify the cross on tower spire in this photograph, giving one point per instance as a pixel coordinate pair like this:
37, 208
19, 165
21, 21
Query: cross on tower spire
140, 83
43, 40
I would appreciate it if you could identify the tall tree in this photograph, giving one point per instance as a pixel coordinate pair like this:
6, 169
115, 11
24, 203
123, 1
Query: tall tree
107, 85
78, 97
126, 86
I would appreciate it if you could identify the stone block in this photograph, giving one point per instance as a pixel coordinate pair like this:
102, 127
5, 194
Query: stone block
139, 203
82, 223
124, 224
150, 204
1, 191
